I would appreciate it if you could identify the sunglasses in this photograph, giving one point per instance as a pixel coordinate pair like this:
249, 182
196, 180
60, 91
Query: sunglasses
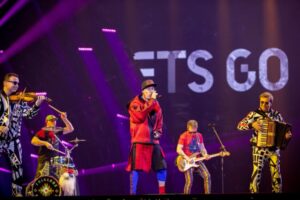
192, 131
14, 82
265, 102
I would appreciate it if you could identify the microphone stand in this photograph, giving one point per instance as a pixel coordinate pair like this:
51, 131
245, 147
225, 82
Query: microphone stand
222, 148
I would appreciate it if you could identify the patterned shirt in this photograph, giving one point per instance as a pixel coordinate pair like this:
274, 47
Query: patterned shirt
191, 142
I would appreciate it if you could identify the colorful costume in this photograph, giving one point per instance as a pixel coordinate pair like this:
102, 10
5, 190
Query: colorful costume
145, 120
44, 154
10, 142
191, 144
262, 154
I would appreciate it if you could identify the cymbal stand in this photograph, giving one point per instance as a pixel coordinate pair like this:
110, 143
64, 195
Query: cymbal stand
59, 140
67, 150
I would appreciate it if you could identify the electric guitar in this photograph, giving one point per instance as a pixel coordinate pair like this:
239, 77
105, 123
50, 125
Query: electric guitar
184, 164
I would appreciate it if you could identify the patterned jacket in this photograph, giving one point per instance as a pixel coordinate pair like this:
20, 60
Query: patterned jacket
145, 119
246, 123
20, 110
5, 110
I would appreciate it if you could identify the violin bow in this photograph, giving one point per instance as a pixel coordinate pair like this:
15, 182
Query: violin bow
23, 94
60, 112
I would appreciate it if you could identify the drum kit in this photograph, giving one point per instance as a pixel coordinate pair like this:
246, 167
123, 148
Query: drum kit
59, 178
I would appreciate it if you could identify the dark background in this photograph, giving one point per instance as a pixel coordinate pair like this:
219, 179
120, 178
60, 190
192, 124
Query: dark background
40, 42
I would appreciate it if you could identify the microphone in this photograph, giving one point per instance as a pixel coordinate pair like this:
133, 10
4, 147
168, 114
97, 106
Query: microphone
211, 124
158, 96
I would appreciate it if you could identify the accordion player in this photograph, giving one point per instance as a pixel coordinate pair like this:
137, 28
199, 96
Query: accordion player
272, 134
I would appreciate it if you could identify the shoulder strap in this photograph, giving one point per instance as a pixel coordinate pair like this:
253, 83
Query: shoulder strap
261, 113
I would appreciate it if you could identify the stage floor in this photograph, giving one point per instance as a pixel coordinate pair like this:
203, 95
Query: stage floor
289, 196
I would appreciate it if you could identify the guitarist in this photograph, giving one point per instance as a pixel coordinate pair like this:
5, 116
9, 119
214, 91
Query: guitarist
190, 143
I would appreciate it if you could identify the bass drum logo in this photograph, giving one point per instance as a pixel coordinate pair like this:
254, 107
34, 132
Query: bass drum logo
46, 186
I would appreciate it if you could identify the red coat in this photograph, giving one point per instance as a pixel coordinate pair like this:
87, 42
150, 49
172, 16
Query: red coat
145, 119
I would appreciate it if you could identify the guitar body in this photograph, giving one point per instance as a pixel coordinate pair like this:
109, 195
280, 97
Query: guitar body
183, 164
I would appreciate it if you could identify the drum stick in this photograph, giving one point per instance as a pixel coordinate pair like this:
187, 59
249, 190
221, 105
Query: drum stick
60, 112
59, 151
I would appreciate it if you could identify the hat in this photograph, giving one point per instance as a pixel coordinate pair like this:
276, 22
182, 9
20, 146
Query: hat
50, 118
148, 83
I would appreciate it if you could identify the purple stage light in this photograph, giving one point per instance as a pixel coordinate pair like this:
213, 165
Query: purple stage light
114, 166
85, 49
4, 170
131, 77
102, 169
3, 3
122, 116
106, 96
17, 6
62, 11
33, 155
67, 144
108, 30
1, 51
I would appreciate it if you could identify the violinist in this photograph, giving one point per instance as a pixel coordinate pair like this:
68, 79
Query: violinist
11, 114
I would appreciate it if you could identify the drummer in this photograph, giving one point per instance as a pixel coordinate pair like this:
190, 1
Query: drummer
48, 143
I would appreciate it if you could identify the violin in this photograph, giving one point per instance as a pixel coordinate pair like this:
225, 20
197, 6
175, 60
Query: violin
28, 96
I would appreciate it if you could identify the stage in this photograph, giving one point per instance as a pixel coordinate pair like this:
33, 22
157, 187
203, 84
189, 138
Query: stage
282, 196
209, 59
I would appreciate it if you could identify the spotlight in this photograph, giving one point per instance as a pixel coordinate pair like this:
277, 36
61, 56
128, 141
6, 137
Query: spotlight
85, 49
108, 30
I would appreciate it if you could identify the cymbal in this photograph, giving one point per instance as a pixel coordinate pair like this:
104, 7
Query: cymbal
77, 140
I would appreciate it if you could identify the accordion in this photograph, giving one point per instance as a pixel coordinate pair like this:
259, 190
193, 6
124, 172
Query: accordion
273, 134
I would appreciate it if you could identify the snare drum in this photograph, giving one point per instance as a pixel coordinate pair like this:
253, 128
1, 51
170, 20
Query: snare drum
62, 165
62, 161
45, 186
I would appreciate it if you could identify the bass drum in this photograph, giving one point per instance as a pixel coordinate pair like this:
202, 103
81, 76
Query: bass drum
45, 186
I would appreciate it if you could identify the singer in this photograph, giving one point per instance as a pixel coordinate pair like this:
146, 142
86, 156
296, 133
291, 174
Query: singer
146, 122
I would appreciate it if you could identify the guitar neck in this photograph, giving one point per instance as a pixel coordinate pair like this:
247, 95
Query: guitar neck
211, 156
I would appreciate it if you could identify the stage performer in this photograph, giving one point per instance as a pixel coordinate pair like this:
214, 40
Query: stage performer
146, 123
11, 115
191, 143
47, 139
261, 154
